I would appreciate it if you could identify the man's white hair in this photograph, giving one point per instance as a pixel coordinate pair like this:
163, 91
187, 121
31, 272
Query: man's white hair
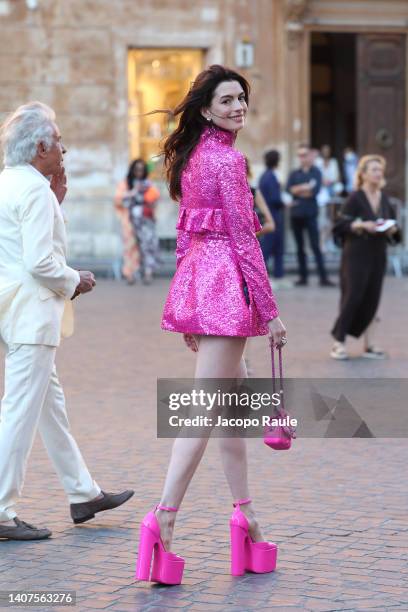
23, 130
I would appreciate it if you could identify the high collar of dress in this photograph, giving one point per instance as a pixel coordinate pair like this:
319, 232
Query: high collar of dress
224, 136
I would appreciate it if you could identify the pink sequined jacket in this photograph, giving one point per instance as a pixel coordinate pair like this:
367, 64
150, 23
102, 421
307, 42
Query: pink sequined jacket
216, 198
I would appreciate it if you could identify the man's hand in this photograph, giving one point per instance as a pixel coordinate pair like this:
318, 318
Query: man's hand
86, 284
295, 189
302, 190
59, 185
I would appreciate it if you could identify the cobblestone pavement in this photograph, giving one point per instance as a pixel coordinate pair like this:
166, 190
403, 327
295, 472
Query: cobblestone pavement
337, 508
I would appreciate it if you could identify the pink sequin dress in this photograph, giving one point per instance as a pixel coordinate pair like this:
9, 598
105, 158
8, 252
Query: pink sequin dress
217, 252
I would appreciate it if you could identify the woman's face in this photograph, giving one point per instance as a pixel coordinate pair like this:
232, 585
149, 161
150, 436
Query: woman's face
374, 174
139, 171
228, 107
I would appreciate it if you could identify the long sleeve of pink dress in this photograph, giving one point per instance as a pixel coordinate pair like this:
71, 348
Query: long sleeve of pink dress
221, 286
237, 201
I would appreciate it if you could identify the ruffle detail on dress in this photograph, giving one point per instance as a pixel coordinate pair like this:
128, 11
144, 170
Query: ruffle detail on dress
201, 220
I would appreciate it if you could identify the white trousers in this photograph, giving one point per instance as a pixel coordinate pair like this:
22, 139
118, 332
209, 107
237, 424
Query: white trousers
34, 399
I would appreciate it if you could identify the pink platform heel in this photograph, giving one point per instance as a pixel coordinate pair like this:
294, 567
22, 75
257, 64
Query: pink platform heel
167, 567
246, 555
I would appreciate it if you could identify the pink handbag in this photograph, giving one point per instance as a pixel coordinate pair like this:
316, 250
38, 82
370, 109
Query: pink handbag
278, 437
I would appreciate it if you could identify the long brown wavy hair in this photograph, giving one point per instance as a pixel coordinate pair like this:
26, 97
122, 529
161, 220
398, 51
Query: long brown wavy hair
181, 142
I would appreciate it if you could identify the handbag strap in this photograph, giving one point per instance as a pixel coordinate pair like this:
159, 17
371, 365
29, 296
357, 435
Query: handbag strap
290, 430
280, 363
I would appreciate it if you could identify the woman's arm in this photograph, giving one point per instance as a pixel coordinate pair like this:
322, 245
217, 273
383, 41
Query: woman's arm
394, 234
269, 224
270, 190
358, 227
238, 214
121, 191
348, 220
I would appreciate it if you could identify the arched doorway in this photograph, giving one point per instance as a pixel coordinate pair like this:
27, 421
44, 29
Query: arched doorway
358, 84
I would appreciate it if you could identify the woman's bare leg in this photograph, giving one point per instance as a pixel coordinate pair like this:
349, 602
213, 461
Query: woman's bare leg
217, 357
234, 461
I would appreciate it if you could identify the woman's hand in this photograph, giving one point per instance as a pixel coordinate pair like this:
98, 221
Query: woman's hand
267, 228
268, 225
357, 227
277, 332
369, 226
190, 342
393, 230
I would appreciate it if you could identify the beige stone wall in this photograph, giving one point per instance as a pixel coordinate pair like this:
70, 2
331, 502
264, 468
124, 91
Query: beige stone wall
359, 16
72, 54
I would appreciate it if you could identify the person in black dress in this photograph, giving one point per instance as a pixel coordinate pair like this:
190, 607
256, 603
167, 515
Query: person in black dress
363, 262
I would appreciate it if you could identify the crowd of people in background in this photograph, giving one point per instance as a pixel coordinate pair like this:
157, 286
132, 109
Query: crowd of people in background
311, 189
313, 193
362, 227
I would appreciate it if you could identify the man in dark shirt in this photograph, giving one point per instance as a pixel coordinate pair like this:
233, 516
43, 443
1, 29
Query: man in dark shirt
272, 244
304, 184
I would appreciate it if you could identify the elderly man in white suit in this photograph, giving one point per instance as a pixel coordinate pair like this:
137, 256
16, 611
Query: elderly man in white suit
35, 287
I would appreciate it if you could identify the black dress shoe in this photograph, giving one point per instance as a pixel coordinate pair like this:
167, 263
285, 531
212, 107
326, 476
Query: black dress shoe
86, 510
302, 282
23, 531
327, 283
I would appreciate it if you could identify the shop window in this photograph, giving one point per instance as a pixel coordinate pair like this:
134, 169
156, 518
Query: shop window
157, 79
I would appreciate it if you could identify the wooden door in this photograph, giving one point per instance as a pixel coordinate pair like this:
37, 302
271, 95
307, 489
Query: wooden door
381, 109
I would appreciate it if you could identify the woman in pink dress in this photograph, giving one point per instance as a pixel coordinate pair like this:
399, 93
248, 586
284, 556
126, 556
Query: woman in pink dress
219, 296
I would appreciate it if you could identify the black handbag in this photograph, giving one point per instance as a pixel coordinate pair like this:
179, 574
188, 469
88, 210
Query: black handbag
340, 229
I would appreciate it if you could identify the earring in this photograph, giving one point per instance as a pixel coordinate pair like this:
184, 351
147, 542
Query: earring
208, 118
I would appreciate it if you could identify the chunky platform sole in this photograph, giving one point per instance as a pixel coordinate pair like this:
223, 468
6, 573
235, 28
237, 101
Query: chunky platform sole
167, 568
248, 556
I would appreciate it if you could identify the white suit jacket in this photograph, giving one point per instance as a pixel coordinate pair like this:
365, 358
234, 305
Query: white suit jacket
35, 281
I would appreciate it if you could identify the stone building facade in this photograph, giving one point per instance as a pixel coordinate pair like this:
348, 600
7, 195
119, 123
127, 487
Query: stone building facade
321, 70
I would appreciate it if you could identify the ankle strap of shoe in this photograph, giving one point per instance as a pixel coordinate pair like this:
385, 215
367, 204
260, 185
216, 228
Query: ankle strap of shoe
168, 508
241, 502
